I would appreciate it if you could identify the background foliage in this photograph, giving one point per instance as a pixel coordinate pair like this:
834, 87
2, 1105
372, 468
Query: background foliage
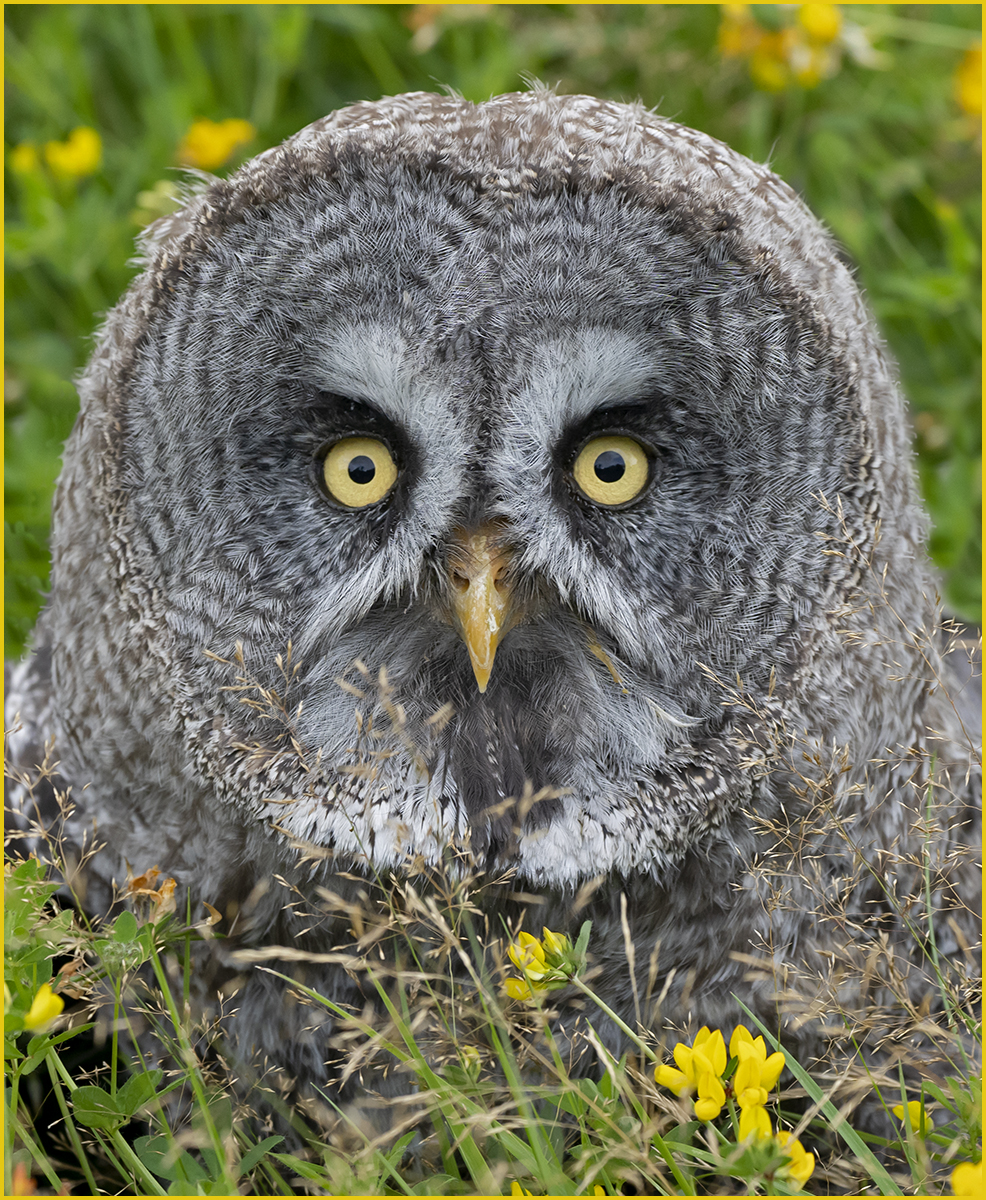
877, 130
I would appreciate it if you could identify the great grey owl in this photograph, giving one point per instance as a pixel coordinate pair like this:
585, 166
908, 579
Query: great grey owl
521, 487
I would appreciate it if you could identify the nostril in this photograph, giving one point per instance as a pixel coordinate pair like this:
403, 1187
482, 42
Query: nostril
460, 582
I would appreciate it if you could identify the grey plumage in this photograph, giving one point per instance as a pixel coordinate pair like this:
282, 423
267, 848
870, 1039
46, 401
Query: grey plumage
482, 288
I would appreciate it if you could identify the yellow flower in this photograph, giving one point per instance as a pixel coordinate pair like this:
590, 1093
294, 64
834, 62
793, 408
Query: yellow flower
547, 963
517, 1190
44, 1008
671, 1078
802, 1163
739, 34
208, 144
80, 154
967, 1179
518, 989
24, 158
556, 945
711, 1098
21, 1183
916, 1113
700, 1068
805, 50
969, 81
756, 1073
710, 1047
754, 1122
527, 955
821, 22
769, 62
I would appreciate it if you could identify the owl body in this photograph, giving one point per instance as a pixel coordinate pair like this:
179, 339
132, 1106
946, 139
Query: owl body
733, 668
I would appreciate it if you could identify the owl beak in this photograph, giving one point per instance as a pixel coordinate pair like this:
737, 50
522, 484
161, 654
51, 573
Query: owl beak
478, 563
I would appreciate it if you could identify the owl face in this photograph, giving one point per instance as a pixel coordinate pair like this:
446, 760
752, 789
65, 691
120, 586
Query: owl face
546, 447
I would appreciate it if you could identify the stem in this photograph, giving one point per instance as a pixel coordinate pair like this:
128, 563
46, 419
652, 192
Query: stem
73, 1132
119, 1142
10, 1113
39, 1156
115, 1042
191, 1065
618, 1021
658, 1141
732, 1118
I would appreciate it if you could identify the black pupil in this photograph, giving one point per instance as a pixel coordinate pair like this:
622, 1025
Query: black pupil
610, 466
362, 469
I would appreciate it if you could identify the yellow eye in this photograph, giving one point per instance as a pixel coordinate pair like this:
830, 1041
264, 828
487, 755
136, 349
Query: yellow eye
359, 471
611, 469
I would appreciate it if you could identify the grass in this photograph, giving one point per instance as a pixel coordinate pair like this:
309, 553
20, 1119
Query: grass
491, 1099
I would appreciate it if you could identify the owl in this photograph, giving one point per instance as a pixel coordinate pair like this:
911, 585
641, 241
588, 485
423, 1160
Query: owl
518, 489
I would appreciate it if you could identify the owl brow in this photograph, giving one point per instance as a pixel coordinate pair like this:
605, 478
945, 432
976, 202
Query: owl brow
635, 417
348, 414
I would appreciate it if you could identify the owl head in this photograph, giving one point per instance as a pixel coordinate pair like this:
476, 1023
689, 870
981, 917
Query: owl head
539, 430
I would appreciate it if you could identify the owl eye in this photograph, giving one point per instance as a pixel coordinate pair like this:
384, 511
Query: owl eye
359, 471
611, 469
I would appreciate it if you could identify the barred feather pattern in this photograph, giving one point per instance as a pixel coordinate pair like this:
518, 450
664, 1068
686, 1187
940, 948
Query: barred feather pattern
265, 694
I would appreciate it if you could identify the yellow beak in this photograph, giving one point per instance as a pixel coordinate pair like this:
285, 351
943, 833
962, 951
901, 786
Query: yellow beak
480, 598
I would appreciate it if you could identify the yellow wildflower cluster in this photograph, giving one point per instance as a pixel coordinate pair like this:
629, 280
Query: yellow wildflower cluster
756, 1074
699, 1072
546, 963
208, 144
702, 1073
805, 52
80, 154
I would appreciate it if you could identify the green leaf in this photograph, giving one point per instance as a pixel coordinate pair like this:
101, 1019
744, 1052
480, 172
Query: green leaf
436, 1185
256, 1153
138, 1091
37, 954
609, 1085
306, 1170
48, 1039
125, 927
97, 1109
574, 1102
221, 1112
10, 1050
38, 1047
164, 1158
